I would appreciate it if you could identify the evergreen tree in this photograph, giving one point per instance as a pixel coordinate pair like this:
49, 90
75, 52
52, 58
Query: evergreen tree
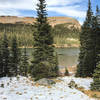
5, 55
97, 9
43, 64
96, 76
87, 55
15, 57
96, 79
96, 30
24, 64
56, 63
66, 72
1, 63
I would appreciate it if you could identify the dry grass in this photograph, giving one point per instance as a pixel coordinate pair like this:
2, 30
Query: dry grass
57, 81
49, 87
30, 20
37, 85
91, 94
19, 93
72, 69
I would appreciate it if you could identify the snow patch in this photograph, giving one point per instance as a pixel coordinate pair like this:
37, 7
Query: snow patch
24, 89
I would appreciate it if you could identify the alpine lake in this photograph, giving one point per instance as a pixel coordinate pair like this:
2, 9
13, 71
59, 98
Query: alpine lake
67, 57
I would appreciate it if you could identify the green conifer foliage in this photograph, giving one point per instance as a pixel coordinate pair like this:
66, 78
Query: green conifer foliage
97, 9
96, 29
5, 55
24, 64
96, 76
96, 79
1, 63
15, 58
66, 72
87, 55
43, 64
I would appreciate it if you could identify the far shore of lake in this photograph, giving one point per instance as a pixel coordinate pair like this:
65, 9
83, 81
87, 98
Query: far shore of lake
60, 46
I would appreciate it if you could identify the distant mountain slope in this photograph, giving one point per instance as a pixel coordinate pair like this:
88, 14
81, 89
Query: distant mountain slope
30, 20
64, 29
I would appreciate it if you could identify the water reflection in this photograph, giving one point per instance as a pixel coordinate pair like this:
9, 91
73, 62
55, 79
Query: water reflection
67, 56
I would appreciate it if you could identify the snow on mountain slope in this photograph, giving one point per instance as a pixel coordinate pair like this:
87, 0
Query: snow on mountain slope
24, 89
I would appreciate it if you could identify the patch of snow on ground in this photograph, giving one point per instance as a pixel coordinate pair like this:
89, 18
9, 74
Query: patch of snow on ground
24, 89
81, 82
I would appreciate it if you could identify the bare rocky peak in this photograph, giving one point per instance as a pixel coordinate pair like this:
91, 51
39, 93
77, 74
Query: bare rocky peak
30, 20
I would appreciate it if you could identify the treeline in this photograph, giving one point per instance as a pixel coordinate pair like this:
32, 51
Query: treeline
24, 33
67, 30
89, 58
63, 33
12, 61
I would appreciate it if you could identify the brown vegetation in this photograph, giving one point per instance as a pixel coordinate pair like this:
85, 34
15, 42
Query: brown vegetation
91, 94
30, 20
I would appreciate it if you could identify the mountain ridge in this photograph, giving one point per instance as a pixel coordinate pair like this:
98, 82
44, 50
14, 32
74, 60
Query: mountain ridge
30, 20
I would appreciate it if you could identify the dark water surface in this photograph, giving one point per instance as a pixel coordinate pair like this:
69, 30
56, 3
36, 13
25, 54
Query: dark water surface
67, 56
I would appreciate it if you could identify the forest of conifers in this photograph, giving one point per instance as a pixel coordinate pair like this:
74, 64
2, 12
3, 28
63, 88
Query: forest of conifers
24, 33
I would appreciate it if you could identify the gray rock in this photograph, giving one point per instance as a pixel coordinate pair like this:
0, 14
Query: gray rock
45, 81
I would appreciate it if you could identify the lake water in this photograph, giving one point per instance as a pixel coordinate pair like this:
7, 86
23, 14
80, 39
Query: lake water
67, 56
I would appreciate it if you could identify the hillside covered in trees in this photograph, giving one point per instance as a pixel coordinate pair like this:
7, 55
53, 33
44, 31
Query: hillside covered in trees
62, 30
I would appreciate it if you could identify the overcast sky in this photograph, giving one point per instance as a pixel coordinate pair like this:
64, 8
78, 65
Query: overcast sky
72, 8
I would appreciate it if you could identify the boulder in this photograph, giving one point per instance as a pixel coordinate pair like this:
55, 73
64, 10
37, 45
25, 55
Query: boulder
45, 81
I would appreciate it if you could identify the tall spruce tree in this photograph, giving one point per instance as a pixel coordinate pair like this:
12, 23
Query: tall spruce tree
15, 57
97, 31
87, 56
1, 62
24, 63
5, 55
96, 76
43, 64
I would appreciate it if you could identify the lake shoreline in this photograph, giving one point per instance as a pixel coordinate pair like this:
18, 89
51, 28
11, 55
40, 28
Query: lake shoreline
60, 46
67, 46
